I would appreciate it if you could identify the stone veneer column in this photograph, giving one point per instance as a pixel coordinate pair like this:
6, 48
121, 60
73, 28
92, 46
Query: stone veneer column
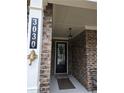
91, 57
46, 51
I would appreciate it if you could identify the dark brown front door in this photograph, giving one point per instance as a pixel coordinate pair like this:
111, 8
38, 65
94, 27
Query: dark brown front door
61, 57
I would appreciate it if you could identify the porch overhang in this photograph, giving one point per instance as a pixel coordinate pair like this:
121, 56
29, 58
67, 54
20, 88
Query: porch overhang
73, 3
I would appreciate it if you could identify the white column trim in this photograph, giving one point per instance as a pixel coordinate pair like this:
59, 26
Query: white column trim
33, 71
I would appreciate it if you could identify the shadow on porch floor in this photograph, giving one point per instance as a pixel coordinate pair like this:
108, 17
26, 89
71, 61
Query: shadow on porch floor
54, 88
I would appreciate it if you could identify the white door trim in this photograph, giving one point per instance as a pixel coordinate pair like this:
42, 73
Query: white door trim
55, 58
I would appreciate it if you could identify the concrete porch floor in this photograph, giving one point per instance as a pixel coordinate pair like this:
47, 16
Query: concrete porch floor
54, 88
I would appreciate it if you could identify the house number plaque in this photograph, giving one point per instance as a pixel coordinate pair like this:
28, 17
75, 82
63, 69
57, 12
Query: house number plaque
34, 32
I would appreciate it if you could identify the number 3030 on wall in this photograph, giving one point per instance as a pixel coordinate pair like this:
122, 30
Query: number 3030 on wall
34, 32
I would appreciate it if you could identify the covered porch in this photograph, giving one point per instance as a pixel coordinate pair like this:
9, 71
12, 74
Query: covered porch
69, 48
73, 55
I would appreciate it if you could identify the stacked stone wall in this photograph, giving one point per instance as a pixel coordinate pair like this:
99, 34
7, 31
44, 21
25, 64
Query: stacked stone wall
84, 62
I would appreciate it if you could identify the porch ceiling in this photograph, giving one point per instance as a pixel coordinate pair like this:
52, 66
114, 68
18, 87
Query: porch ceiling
89, 4
74, 17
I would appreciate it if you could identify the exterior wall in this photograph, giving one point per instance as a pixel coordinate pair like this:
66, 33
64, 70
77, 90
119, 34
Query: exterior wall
83, 49
46, 52
79, 58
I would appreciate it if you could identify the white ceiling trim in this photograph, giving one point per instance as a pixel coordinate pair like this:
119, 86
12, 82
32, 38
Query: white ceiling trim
60, 38
90, 27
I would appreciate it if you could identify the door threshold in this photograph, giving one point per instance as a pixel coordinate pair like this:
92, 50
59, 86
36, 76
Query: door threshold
61, 75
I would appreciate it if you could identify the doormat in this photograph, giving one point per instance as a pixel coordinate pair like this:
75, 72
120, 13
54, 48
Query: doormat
65, 83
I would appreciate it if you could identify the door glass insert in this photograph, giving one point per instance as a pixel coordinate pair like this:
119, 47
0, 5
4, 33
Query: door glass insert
61, 54
61, 57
